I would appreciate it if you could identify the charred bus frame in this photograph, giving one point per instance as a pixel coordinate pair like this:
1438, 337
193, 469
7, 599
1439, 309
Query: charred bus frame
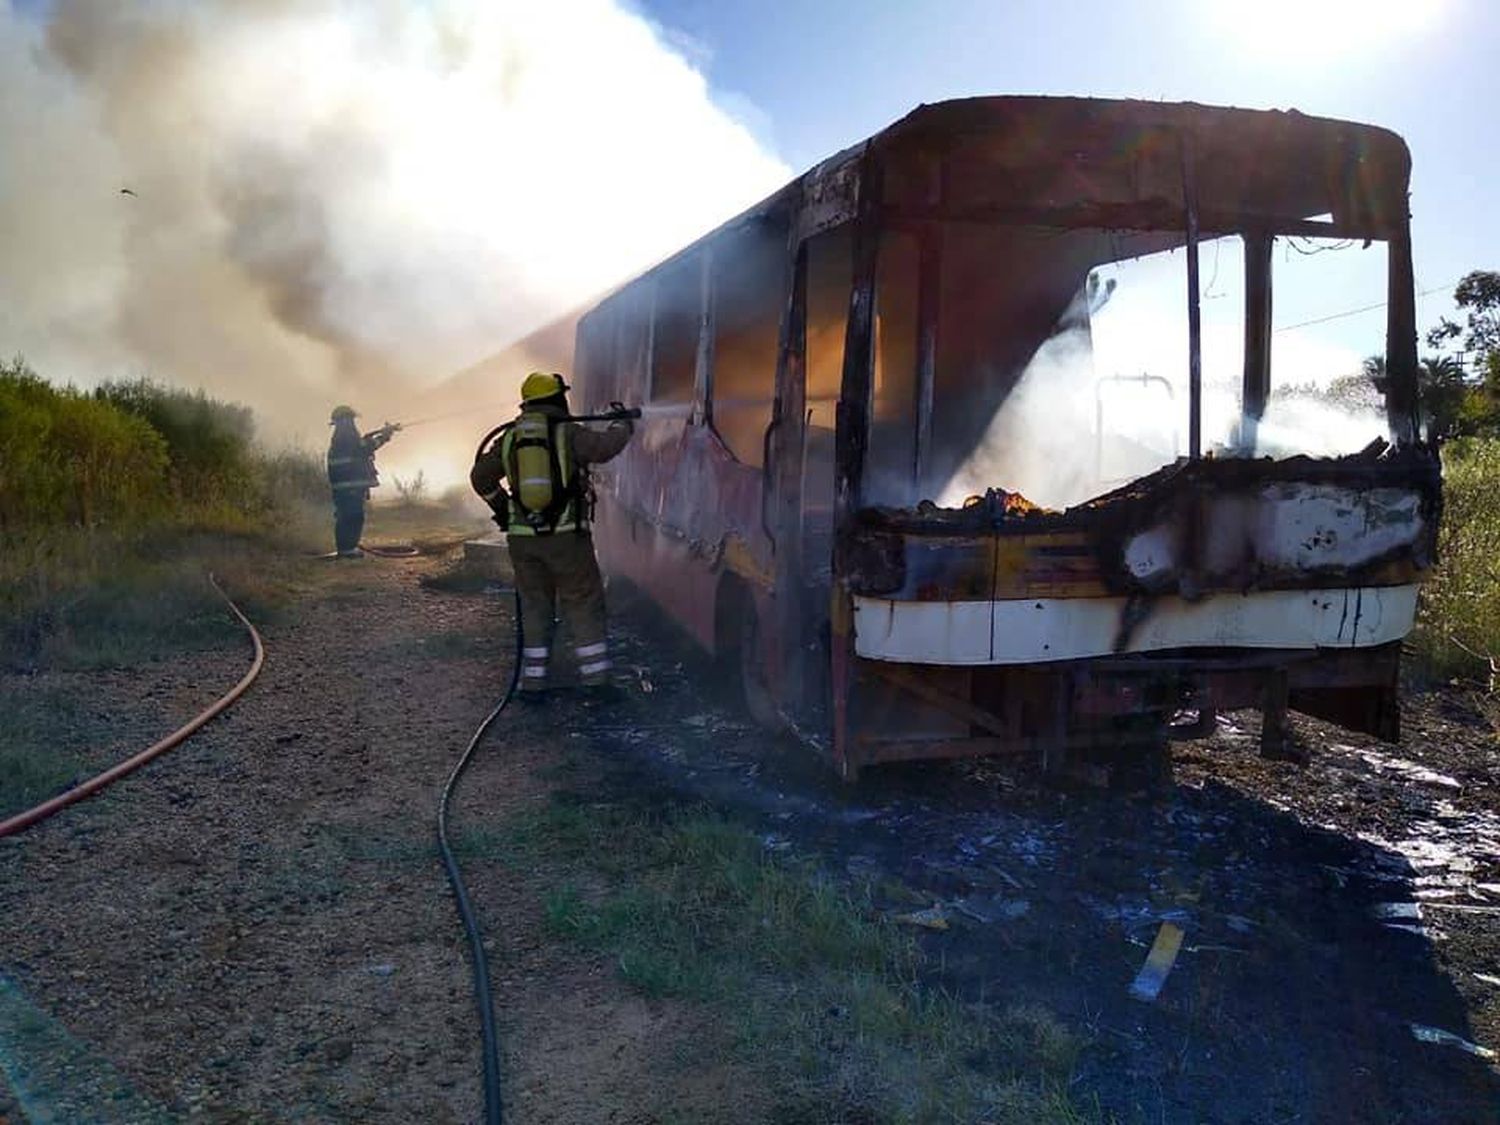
893, 630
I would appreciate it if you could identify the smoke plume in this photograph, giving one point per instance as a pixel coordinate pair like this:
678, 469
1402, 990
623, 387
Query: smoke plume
295, 203
1105, 400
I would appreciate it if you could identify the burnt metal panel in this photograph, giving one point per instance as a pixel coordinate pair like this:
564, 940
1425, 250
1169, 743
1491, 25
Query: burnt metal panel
1195, 312
830, 193
1401, 342
1254, 165
852, 435
1201, 515
1256, 386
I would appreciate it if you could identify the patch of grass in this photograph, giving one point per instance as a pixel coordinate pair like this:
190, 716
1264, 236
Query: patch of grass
1460, 605
134, 618
827, 998
41, 726
61, 1077
96, 599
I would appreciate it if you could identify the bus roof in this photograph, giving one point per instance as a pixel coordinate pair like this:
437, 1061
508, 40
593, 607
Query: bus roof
1110, 163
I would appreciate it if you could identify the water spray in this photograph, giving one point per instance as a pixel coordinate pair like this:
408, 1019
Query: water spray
614, 414
459, 413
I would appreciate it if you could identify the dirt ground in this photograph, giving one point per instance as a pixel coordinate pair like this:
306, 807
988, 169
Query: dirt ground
254, 929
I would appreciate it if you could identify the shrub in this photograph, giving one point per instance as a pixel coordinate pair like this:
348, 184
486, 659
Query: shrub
290, 478
69, 460
133, 455
208, 442
1461, 599
413, 490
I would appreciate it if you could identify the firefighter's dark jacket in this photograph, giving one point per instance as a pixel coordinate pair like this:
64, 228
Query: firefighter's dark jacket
351, 458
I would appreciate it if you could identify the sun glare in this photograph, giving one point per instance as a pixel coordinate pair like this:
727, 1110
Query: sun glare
1298, 30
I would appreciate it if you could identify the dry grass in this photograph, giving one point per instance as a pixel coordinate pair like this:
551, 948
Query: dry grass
94, 600
1459, 621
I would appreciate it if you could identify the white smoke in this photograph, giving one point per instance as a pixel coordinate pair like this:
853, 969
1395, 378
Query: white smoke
339, 199
1097, 408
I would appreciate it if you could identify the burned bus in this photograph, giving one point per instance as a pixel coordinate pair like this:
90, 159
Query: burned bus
887, 470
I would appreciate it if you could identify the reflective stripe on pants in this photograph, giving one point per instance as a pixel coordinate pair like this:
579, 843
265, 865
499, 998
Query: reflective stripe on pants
557, 575
533, 666
593, 662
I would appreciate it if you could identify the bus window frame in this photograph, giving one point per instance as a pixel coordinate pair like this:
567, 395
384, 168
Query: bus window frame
786, 282
1256, 380
692, 407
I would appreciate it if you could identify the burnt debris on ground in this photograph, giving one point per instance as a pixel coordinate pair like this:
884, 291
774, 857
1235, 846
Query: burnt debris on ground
1330, 912
1339, 923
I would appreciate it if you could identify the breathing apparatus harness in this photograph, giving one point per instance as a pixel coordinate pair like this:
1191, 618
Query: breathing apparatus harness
531, 465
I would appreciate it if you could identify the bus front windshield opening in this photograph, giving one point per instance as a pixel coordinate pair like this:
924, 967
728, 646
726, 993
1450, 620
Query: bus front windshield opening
1061, 360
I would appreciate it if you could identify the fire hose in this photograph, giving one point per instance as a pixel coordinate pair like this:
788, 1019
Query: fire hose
482, 995
26, 819
34, 815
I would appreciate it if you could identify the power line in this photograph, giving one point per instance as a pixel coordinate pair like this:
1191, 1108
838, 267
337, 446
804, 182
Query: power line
1361, 309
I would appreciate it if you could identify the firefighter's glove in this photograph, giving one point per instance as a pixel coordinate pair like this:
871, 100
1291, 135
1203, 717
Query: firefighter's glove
379, 437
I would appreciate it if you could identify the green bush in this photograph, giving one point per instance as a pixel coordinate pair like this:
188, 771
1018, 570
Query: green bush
209, 443
69, 460
136, 455
1461, 599
290, 478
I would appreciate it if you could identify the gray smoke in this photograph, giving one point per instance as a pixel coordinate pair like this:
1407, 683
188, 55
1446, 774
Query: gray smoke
332, 200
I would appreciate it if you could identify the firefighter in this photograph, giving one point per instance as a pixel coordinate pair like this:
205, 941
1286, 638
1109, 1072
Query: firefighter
545, 512
351, 475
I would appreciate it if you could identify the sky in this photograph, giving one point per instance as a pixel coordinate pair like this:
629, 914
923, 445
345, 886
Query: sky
294, 203
811, 78
360, 197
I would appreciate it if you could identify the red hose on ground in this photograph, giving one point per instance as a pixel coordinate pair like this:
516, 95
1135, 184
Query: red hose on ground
41, 812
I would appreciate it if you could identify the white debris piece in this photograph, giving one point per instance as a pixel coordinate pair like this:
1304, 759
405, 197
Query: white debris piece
1407, 771
1448, 1039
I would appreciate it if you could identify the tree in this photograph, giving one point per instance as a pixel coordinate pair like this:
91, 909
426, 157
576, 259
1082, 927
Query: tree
1479, 294
1465, 403
1449, 404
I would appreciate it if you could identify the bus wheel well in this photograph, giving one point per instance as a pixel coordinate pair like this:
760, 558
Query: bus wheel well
737, 649
732, 604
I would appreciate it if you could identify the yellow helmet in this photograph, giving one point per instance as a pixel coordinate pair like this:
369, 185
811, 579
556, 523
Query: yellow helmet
341, 412
541, 384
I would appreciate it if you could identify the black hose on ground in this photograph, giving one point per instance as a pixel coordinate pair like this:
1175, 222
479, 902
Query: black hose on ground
492, 1112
